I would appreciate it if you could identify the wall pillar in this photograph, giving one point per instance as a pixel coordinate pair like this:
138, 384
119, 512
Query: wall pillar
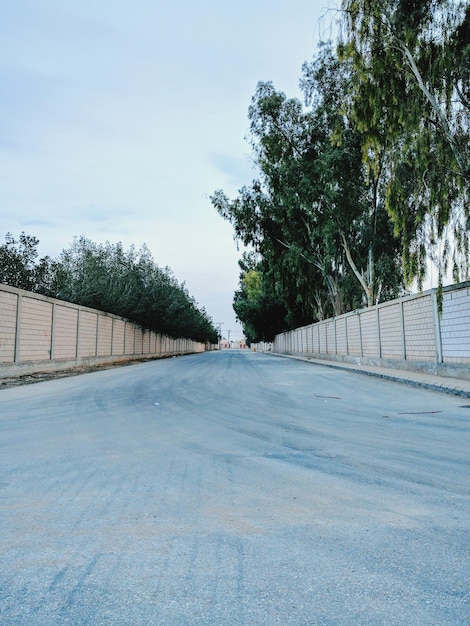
437, 327
18, 328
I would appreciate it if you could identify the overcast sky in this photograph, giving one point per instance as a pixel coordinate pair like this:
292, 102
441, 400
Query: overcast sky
119, 118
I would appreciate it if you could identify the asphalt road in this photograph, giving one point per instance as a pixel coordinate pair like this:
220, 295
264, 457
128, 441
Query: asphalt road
233, 488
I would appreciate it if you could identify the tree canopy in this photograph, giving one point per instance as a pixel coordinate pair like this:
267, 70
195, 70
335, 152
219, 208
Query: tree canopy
20, 266
411, 97
256, 303
314, 217
107, 277
364, 184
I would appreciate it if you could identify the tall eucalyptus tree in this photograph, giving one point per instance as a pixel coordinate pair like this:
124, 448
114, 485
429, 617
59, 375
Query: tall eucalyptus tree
323, 236
412, 87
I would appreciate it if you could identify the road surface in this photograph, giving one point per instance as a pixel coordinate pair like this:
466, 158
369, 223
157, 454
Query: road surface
233, 488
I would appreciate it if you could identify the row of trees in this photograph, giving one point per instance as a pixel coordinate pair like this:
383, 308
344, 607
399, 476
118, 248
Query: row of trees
368, 179
109, 278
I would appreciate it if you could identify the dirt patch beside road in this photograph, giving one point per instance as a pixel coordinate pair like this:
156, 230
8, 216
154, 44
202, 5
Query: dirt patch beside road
38, 377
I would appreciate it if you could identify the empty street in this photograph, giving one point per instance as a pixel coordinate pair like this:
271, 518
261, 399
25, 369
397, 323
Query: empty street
233, 488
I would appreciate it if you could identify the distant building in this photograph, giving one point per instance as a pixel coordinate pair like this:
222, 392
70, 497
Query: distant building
232, 345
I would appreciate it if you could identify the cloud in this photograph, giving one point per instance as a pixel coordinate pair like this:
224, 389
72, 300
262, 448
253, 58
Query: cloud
98, 213
42, 223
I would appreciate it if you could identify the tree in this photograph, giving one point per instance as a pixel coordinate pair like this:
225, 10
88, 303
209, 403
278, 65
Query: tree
105, 276
259, 309
130, 284
354, 190
411, 71
19, 266
313, 216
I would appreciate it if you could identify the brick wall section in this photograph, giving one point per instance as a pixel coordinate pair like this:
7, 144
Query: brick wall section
146, 343
322, 337
139, 341
315, 339
36, 328
129, 337
419, 329
152, 343
87, 334
8, 307
455, 326
105, 335
305, 339
354, 335
330, 337
291, 340
341, 336
300, 339
118, 337
391, 331
407, 332
369, 332
65, 332
286, 341
310, 339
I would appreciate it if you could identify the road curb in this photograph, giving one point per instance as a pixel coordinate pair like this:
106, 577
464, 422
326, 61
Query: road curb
441, 387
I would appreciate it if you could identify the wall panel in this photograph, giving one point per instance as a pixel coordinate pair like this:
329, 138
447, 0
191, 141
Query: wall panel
36, 329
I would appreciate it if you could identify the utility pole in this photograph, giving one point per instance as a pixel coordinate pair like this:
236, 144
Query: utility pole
228, 338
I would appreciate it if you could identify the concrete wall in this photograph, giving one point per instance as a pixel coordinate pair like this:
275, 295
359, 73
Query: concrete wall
39, 333
406, 333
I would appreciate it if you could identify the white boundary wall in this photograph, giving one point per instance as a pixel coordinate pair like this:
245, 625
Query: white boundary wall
406, 333
39, 333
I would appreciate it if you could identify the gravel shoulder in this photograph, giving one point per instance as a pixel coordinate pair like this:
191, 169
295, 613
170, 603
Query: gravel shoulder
28, 379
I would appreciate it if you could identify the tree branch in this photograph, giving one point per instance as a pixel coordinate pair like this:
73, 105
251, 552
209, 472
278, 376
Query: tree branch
357, 273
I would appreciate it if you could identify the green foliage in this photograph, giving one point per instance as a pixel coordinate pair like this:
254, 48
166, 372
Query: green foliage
358, 192
411, 98
106, 277
131, 285
257, 306
315, 216
20, 267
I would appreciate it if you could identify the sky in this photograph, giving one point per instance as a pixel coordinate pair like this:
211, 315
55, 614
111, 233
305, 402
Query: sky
120, 118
